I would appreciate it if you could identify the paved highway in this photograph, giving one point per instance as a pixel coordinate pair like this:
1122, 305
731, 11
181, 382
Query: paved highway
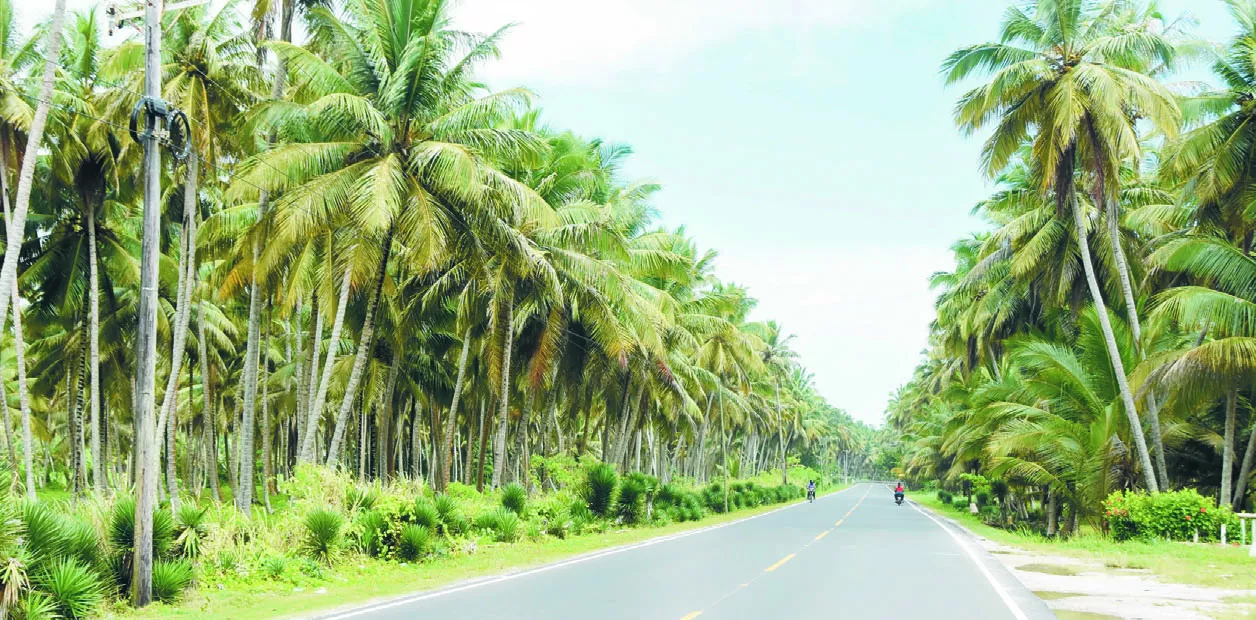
850, 555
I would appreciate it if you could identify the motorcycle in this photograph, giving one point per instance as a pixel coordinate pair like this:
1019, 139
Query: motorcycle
898, 499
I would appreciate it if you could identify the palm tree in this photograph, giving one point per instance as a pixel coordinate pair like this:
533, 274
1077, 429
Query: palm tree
1059, 81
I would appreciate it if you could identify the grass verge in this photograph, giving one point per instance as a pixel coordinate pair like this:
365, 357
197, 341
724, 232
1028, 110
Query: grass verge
371, 579
1213, 565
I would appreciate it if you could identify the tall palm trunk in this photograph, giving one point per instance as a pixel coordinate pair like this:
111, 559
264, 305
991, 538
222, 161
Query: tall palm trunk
781, 433
244, 501
16, 227
264, 378
1109, 338
362, 356
503, 417
320, 396
26, 175
1245, 472
93, 331
384, 426
183, 316
208, 425
1112, 214
446, 447
1227, 451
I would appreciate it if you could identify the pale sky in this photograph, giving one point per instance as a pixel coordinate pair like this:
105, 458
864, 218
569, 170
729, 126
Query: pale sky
809, 141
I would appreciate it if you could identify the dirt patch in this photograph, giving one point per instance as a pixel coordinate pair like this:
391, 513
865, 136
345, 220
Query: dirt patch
1083, 615
1080, 590
1052, 596
1049, 569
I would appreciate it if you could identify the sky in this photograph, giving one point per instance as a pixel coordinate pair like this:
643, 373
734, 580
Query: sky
810, 142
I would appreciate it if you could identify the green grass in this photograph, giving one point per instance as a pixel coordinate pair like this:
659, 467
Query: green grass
358, 580
1203, 565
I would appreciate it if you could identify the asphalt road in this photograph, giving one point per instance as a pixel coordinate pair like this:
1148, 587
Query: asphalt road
849, 555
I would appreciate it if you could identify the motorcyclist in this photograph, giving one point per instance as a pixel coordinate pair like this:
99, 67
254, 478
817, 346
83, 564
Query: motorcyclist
811, 489
898, 491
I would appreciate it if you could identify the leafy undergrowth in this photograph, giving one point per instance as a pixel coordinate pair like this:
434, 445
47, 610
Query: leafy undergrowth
1210, 565
336, 543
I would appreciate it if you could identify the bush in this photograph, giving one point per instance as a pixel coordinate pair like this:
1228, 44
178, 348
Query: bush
372, 527
122, 528
82, 544
514, 498
562, 470
45, 533
1171, 515
170, 579
945, 496
504, 524
416, 541
75, 590
982, 498
322, 534
451, 519
191, 529
601, 488
425, 514
360, 499
630, 505
275, 566
38, 606
713, 497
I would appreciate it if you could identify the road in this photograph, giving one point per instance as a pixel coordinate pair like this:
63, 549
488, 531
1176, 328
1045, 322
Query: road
853, 554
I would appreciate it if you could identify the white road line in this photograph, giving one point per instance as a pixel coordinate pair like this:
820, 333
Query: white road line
998, 588
548, 567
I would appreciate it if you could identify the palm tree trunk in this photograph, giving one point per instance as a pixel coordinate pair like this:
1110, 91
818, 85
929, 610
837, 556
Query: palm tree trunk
244, 501
384, 468
1114, 353
93, 314
26, 175
780, 419
447, 440
1157, 439
1245, 472
485, 424
1227, 451
207, 411
264, 378
320, 397
19, 347
503, 418
359, 361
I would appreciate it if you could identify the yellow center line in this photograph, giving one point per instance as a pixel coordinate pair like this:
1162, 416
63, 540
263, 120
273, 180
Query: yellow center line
692, 615
822, 534
781, 563
839, 522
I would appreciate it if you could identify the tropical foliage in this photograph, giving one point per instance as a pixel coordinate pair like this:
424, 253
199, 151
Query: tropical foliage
369, 262
1097, 337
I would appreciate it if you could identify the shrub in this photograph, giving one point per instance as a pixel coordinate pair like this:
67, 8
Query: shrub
191, 529
425, 514
275, 566
372, 525
122, 528
713, 497
38, 606
504, 524
360, 499
945, 496
514, 498
1172, 515
631, 501
601, 488
46, 536
562, 471
322, 533
451, 519
415, 542
75, 590
82, 544
170, 579
982, 498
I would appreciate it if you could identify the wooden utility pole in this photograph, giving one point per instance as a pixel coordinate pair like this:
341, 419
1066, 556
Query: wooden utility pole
146, 354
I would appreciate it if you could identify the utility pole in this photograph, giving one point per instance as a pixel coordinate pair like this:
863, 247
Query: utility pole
146, 354
162, 124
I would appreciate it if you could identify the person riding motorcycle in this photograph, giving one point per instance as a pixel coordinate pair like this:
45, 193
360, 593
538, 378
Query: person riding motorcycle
811, 490
898, 492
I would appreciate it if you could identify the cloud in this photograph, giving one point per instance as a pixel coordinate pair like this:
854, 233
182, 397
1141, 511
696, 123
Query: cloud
583, 41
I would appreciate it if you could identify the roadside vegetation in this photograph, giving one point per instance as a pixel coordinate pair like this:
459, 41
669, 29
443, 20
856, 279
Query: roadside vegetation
401, 317
1091, 364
